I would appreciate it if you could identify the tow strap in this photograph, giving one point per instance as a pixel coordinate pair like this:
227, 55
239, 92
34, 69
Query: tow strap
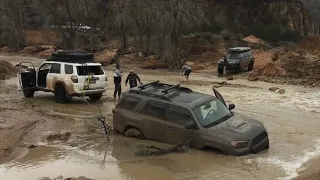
99, 117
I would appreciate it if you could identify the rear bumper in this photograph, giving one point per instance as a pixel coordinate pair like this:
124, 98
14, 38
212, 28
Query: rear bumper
89, 92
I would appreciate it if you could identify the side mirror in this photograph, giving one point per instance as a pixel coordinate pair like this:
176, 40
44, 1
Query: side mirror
191, 125
232, 106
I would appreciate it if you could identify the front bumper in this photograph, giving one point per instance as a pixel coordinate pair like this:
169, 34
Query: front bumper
254, 146
229, 66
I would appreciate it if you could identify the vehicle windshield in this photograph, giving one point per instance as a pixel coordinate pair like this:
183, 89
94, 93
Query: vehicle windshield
212, 113
89, 70
233, 55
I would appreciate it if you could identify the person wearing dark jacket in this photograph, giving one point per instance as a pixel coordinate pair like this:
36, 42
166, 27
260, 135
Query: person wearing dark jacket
225, 64
117, 75
133, 79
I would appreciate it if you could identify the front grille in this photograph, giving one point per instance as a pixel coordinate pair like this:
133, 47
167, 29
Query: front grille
259, 138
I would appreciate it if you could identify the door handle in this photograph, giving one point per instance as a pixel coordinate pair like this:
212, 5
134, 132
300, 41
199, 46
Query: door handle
168, 127
142, 120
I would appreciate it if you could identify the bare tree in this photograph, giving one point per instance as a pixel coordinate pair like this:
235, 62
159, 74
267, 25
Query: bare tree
14, 15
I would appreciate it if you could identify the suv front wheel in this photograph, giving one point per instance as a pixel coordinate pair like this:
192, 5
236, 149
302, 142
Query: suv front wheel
133, 132
95, 97
28, 93
60, 94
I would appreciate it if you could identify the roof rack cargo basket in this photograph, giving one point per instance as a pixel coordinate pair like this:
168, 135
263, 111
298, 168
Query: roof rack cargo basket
149, 84
72, 56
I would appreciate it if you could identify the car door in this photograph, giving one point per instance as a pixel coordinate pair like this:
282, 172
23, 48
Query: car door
53, 76
96, 73
175, 131
42, 74
248, 59
251, 58
125, 114
219, 96
26, 75
153, 117
243, 60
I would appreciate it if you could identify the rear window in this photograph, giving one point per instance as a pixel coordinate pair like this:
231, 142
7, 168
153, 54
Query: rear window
129, 103
89, 70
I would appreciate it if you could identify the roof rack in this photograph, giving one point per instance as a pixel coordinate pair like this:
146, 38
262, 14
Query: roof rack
72, 56
171, 88
148, 84
160, 96
164, 93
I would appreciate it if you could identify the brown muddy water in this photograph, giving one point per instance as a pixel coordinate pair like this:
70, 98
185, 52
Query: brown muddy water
292, 120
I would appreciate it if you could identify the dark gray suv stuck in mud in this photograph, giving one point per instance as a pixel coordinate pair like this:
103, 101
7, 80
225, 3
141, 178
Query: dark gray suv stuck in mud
174, 114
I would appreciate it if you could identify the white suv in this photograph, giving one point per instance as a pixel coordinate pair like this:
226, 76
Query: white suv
65, 79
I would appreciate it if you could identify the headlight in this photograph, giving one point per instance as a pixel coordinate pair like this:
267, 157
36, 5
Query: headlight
239, 144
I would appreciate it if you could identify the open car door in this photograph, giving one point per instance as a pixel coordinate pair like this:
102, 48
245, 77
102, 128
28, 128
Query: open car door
219, 96
27, 76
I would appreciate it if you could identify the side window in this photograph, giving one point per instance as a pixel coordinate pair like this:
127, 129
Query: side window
46, 66
68, 69
129, 103
55, 68
154, 109
179, 115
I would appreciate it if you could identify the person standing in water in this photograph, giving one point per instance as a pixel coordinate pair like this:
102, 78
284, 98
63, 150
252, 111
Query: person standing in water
117, 75
186, 70
225, 64
133, 79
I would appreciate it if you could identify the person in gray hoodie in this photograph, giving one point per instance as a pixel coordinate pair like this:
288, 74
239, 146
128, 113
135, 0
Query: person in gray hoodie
117, 76
186, 70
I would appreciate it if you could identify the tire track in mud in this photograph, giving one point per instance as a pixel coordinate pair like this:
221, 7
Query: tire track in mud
22, 124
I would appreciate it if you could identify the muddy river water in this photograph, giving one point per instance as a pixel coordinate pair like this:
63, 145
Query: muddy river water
292, 120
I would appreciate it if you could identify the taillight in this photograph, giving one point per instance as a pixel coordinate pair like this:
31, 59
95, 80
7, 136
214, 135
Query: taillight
106, 77
74, 79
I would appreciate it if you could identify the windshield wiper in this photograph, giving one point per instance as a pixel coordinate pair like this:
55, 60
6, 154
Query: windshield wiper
219, 121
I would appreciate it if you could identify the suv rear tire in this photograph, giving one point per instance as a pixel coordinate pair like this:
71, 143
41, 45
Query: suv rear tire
60, 94
28, 93
95, 97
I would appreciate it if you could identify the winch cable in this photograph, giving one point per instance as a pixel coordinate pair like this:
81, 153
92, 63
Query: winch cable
100, 117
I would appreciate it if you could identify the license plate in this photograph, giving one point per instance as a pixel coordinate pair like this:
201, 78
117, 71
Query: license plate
93, 81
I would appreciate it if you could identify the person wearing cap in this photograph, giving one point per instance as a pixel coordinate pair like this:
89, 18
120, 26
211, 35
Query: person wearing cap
133, 79
117, 76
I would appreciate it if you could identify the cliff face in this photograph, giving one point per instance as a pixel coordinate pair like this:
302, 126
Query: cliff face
313, 7
287, 13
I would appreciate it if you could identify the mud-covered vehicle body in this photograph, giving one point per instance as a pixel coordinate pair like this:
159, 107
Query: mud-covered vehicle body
66, 74
174, 114
239, 58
